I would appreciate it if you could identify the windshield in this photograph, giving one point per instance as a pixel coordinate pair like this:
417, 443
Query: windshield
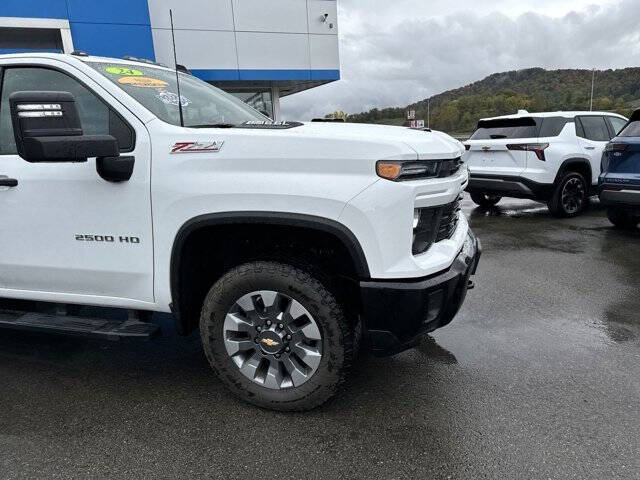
505, 128
202, 104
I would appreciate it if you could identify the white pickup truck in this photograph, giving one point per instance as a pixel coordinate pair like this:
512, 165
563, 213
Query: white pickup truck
287, 244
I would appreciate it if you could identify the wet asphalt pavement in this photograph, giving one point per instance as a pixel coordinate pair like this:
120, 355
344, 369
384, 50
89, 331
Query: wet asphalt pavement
538, 377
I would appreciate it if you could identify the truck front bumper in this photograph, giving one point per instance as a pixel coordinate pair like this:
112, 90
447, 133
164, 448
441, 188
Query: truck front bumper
397, 313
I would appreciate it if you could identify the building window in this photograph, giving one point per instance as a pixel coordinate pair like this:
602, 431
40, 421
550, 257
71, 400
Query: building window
30, 39
261, 101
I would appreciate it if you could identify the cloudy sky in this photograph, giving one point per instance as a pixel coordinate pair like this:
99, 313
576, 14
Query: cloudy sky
394, 52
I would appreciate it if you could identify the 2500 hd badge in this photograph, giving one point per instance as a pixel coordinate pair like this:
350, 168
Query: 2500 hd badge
108, 239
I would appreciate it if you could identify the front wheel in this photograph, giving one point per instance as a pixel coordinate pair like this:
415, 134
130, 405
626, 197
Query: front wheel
622, 219
569, 197
485, 200
276, 336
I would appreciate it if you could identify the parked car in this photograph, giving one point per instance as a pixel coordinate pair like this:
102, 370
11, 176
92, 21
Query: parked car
286, 244
620, 178
552, 157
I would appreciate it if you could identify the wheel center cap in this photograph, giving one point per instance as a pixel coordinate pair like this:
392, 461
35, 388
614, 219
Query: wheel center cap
270, 342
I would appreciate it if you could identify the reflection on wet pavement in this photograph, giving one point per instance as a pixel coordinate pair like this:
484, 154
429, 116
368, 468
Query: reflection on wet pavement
430, 348
600, 251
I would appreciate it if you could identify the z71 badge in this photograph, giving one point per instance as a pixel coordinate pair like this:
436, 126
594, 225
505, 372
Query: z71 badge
197, 147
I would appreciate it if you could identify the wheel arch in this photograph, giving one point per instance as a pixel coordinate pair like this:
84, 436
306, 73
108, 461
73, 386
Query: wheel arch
340, 232
576, 164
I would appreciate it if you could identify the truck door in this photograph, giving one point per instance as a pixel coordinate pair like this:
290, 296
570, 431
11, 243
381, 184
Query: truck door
67, 234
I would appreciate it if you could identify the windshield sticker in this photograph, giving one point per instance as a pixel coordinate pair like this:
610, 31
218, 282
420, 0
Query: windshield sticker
130, 72
143, 82
171, 98
197, 147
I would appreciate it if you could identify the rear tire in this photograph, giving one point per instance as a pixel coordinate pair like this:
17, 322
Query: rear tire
308, 343
622, 219
485, 200
569, 197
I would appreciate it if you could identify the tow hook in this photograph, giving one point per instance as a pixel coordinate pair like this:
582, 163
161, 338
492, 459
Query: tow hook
470, 285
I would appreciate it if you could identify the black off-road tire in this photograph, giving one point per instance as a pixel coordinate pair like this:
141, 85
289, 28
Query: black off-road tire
622, 219
313, 293
570, 197
485, 200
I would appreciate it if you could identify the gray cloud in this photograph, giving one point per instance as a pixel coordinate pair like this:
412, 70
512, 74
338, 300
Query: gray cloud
393, 55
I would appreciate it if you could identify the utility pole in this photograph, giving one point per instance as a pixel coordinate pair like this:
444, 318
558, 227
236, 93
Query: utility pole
429, 112
593, 81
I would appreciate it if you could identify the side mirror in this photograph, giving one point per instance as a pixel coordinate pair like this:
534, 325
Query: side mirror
47, 128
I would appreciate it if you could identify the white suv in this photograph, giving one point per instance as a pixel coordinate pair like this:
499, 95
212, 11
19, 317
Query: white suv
552, 157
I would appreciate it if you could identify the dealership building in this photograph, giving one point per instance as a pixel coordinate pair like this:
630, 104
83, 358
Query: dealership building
259, 50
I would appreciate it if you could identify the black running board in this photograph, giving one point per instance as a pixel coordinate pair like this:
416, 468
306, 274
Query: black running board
78, 326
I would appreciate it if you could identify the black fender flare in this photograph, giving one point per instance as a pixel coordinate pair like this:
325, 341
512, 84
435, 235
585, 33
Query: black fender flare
574, 161
326, 225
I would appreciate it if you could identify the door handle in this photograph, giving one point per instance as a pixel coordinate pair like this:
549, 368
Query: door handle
8, 182
590, 148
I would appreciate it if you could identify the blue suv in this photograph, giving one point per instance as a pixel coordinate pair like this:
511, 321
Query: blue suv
619, 183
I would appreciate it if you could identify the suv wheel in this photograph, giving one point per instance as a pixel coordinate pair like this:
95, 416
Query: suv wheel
622, 219
570, 196
485, 200
276, 336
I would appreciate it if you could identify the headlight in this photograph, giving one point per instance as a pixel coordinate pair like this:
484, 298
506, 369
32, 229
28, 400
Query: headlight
417, 169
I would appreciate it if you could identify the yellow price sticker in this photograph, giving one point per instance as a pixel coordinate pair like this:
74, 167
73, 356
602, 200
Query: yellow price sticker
143, 82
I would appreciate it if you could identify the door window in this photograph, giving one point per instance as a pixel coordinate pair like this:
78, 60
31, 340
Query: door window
617, 124
552, 126
95, 116
594, 128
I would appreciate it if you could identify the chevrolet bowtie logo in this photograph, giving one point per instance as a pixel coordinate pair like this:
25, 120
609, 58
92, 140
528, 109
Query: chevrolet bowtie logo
268, 342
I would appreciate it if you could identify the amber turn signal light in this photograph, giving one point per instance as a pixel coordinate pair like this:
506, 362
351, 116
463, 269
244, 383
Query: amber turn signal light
388, 170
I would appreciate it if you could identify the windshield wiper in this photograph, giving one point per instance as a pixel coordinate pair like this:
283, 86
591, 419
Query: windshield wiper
496, 137
212, 125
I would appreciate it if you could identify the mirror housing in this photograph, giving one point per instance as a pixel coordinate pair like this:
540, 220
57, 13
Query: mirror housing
47, 128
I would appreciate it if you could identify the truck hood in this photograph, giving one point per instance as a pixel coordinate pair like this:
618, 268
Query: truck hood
427, 145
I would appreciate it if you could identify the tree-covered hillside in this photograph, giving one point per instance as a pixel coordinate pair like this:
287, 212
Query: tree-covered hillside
535, 89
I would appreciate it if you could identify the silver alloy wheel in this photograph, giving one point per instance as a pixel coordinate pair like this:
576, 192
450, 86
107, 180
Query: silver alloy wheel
573, 195
273, 339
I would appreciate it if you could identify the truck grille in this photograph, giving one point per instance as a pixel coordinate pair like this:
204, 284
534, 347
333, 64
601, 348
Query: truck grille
450, 167
449, 220
435, 224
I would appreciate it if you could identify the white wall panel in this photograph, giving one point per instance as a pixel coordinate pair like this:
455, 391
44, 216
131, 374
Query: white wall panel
271, 51
197, 49
271, 15
324, 52
317, 9
192, 14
